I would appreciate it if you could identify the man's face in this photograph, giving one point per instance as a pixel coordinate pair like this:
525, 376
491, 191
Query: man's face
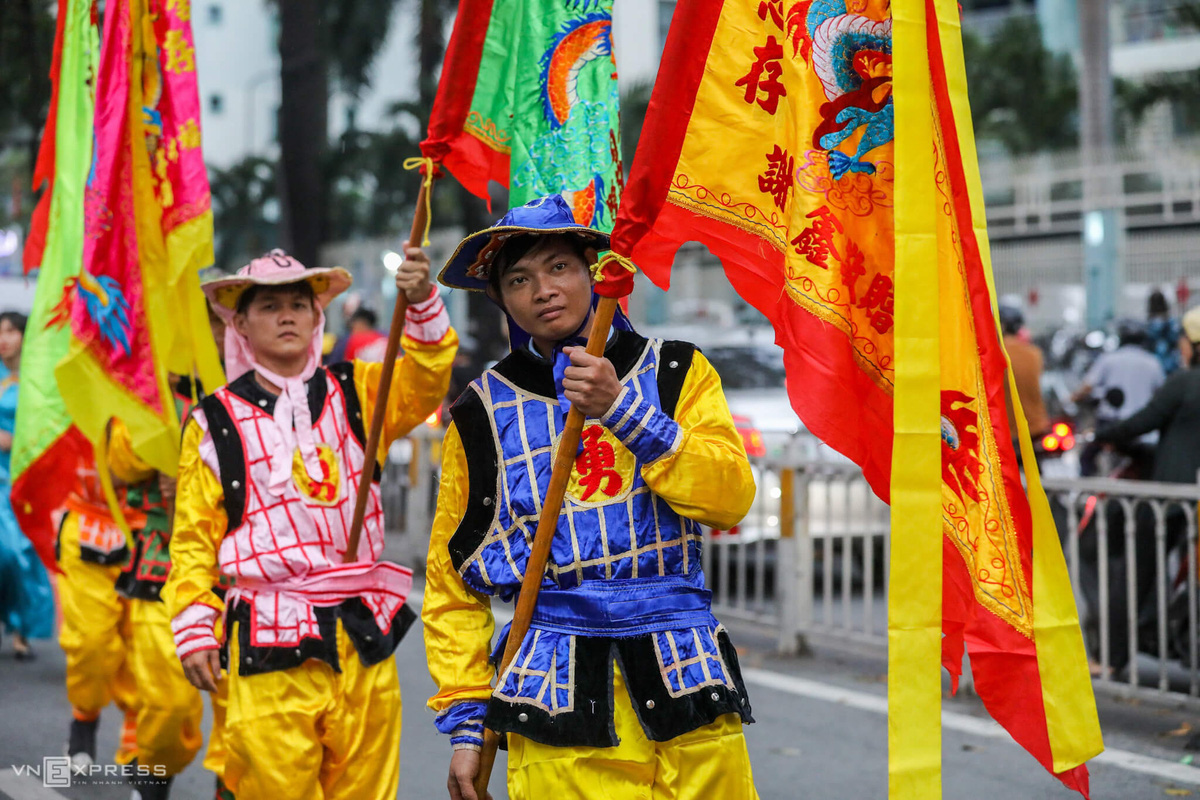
278, 324
548, 292
217, 326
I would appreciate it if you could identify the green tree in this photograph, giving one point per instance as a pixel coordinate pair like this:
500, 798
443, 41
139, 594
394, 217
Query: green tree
1181, 90
245, 210
1023, 95
373, 196
26, 47
320, 45
452, 204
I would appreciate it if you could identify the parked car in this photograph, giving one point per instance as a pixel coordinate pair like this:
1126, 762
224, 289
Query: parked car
750, 365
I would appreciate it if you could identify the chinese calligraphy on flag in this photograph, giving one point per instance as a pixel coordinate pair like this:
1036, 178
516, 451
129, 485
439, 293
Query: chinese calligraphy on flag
772, 138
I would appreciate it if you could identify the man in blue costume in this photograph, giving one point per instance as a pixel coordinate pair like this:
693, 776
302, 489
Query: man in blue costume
626, 684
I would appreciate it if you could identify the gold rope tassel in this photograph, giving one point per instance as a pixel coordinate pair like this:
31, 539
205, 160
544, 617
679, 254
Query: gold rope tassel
417, 163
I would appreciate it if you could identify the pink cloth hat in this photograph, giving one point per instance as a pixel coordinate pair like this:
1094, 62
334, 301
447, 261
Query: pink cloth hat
276, 268
292, 413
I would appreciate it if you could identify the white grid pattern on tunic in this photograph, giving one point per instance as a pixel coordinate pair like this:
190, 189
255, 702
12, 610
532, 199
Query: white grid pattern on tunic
677, 666
519, 670
270, 544
527, 523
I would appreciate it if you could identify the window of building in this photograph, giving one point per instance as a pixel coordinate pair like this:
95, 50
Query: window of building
216, 103
666, 9
215, 14
1147, 20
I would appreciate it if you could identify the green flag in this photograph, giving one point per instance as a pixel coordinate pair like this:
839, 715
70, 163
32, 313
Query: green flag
528, 98
46, 447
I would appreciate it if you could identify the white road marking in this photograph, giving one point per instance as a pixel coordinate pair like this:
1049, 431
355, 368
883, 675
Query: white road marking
23, 787
964, 723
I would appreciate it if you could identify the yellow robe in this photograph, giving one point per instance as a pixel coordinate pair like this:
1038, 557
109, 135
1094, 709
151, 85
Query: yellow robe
95, 636
709, 480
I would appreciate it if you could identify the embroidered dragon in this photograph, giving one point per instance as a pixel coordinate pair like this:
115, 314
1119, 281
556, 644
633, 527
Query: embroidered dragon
580, 42
851, 55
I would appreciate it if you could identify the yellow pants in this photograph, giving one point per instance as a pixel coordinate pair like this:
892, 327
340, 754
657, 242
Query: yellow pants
214, 756
710, 762
95, 635
314, 733
170, 710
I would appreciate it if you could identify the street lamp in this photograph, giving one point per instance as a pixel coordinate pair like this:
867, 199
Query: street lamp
392, 261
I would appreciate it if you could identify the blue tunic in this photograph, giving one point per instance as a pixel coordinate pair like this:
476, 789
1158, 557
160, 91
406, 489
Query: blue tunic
624, 579
26, 599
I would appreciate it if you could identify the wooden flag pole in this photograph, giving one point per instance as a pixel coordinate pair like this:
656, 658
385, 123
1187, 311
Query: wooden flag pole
420, 222
531, 583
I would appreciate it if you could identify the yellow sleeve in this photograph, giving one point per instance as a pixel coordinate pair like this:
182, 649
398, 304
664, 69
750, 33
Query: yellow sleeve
125, 464
458, 622
708, 477
420, 381
200, 522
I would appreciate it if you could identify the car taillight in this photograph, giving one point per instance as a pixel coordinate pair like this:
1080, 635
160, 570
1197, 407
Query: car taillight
1060, 439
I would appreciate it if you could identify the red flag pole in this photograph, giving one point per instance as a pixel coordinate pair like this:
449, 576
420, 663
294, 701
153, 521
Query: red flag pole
420, 223
531, 583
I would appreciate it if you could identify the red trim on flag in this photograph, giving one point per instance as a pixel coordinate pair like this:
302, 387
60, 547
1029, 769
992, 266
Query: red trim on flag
689, 41
39, 225
43, 169
823, 377
1003, 662
469, 159
43, 488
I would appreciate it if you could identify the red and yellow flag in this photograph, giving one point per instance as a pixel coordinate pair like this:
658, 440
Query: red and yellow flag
136, 310
822, 149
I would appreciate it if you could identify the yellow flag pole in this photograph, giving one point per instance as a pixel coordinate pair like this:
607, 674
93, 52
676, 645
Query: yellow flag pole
915, 586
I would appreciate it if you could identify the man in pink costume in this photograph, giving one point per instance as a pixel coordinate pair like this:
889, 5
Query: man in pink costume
268, 474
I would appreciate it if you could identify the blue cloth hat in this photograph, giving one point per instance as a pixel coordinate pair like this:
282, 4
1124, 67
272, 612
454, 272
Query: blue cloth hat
469, 266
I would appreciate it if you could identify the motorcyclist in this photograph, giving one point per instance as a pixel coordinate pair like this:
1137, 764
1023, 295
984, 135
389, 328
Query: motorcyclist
1027, 362
1122, 382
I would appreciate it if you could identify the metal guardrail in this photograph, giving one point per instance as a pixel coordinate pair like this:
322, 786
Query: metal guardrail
811, 561
823, 561
409, 494
1132, 552
821, 570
